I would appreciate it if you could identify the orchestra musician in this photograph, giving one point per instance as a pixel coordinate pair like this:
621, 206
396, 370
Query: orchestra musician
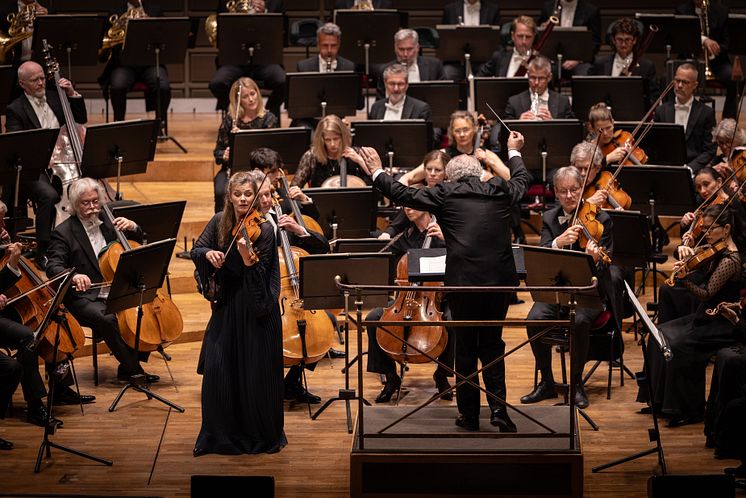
624, 37
420, 67
328, 41
539, 102
472, 13
241, 361
120, 78
575, 13
601, 121
473, 216
76, 243
731, 140
246, 113
679, 384
698, 119
398, 105
558, 232
507, 60
708, 184
40, 107
20, 52
364, 4
272, 76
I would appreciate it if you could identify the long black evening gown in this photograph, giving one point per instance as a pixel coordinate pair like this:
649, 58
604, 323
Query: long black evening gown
242, 388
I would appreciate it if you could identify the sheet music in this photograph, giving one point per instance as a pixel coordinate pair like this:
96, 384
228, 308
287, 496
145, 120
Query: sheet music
660, 338
435, 265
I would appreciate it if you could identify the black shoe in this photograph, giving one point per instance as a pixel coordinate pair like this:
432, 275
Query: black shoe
581, 400
37, 415
740, 484
681, 421
544, 390
146, 377
199, 452
66, 396
739, 471
298, 393
443, 386
389, 388
5, 444
500, 418
710, 442
334, 353
468, 423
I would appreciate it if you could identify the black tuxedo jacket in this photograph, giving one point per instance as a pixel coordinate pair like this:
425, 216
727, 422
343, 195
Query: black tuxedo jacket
603, 65
718, 19
431, 69
489, 13
377, 4
273, 6
699, 146
311, 65
497, 65
413, 109
586, 14
19, 115
559, 105
70, 248
475, 219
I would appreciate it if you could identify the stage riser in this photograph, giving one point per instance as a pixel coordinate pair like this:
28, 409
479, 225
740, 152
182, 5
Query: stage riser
176, 171
494, 475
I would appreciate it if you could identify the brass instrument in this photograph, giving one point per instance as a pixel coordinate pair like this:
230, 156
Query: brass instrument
234, 6
116, 33
704, 25
21, 28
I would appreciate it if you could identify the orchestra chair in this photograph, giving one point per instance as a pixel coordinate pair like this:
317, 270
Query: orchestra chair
428, 37
303, 33
138, 86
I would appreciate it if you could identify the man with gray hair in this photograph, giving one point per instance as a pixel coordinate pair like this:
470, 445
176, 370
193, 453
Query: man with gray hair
419, 67
328, 41
474, 217
397, 105
580, 157
539, 102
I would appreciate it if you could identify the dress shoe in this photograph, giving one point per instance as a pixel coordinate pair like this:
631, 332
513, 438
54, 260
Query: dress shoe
299, 393
443, 386
499, 418
148, 378
468, 423
544, 390
681, 421
581, 400
37, 415
66, 396
199, 452
335, 353
389, 388
5, 444
739, 471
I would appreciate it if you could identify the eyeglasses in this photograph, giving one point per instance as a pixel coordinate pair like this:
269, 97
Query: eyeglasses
93, 202
565, 191
538, 78
624, 41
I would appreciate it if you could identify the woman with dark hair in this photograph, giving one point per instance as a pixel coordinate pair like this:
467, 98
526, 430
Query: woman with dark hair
241, 360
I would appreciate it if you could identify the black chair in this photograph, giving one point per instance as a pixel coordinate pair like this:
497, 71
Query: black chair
428, 37
303, 33
605, 344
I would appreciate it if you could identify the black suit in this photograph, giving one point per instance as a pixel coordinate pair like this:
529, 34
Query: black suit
475, 219
586, 14
70, 247
413, 109
700, 148
720, 65
489, 13
431, 69
559, 105
311, 65
604, 64
271, 76
499, 63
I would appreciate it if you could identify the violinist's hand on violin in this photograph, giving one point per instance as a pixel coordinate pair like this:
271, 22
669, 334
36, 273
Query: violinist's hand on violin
599, 197
593, 249
685, 251
215, 258
121, 223
433, 230
679, 268
247, 252
687, 219
731, 312
297, 194
14, 250
227, 154
290, 225
515, 141
372, 162
81, 282
3, 301
384, 236
569, 236
687, 240
616, 155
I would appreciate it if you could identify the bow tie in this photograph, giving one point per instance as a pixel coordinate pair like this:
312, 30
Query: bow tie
473, 7
395, 107
681, 107
563, 219
40, 101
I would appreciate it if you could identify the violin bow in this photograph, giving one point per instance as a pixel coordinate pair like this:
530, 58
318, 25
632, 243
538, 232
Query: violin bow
585, 181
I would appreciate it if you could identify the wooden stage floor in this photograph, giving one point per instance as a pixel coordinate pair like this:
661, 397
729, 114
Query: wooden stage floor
316, 460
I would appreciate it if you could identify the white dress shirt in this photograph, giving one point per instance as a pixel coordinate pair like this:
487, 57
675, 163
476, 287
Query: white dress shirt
471, 13
568, 13
562, 219
515, 62
620, 64
98, 242
323, 65
41, 108
682, 112
413, 71
393, 111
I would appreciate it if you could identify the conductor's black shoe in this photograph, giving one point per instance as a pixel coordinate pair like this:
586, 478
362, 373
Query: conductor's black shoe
581, 400
442, 385
298, 393
37, 415
499, 418
468, 423
199, 451
335, 353
66, 396
544, 390
389, 388
5, 444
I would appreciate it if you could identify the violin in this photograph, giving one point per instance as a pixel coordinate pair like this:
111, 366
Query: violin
624, 139
617, 197
419, 307
705, 255
591, 229
249, 227
695, 228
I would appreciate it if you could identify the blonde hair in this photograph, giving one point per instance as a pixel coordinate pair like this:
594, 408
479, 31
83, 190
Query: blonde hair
228, 220
245, 82
460, 115
331, 124
599, 112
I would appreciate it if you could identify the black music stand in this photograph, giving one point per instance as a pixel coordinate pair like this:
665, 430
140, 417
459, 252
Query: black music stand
54, 314
496, 92
443, 97
7, 82
77, 36
319, 291
313, 95
426, 265
101, 6
664, 144
736, 28
633, 246
365, 244
345, 212
139, 275
675, 32
24, 155
250, 39
547, 143
157, 41
406, 141
117, 149
573, 43
158, 221
291, 143
625, 95
467, 43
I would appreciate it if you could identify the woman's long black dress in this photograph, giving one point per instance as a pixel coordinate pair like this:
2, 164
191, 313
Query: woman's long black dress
242, 388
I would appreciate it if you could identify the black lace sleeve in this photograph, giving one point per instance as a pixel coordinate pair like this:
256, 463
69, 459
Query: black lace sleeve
305, 169
727, 268
207, 241
222, 141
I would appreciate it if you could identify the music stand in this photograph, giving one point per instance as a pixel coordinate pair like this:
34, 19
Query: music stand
674, 31
736, 26
443, 97
319, 291
665, 143
139, 274
457, 42
345, 212
625, 95
405, 141
250, 39
632, 240
366, 244
77, 36
545, 142
102, 6
157, 41
158, 221
24, 155
572, 43
426, 265
7, 82
313, 95
54, 314
291, 143
496, 92
120, 148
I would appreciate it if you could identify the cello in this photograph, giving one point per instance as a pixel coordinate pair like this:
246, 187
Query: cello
306, 222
